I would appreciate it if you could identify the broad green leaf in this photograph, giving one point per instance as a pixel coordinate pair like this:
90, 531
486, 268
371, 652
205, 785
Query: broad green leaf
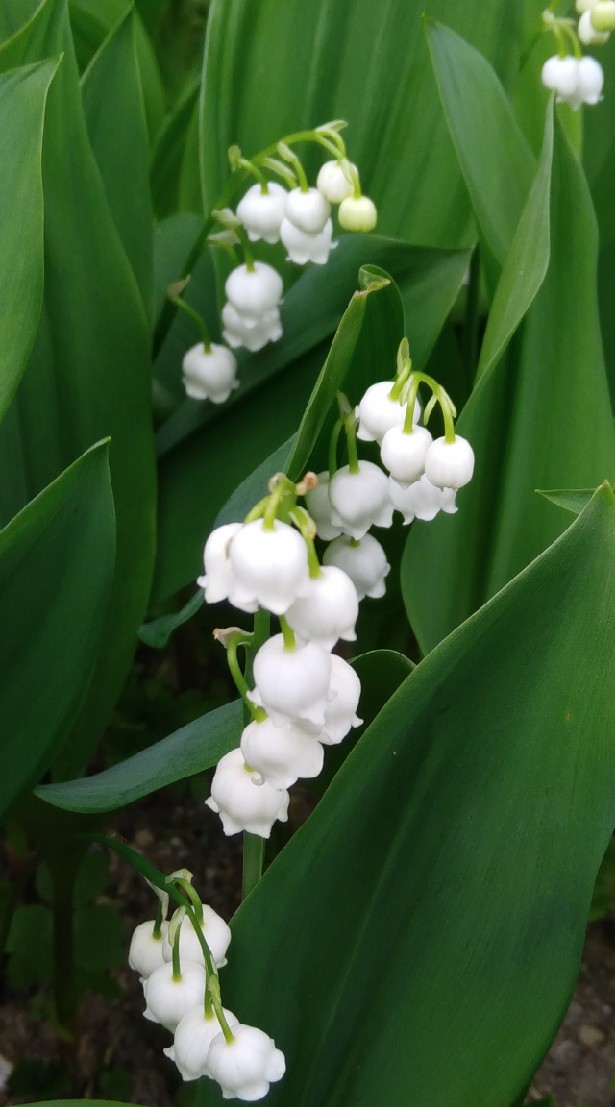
364, 347
445, 877
158, 632
56, 567
89, 374
572, 499
194, 748
23, 95
540, 419
270, 59
81, 1103
117, 130
493, 153
174, 238
526, 263
254, 487
169, 151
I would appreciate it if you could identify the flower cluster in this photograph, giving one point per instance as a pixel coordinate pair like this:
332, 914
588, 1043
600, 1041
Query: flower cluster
303, 696
293, 213
578, 79
178, 964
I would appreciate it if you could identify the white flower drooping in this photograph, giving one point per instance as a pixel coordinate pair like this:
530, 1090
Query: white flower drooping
245, 1067
575, 81
327, 610
421, 500
341, 712
146, 951
335, 180
210, 374
307, 209
240, 330
242, 804
404, 452
193, 1036
302, 247
292, 684
218, 579
168, 1000
217, 934
364, 560
319, 507
254, 291
262, 212
588, 34
281, 754
377, 412
358, 214
360, 499
269, 566
449, 464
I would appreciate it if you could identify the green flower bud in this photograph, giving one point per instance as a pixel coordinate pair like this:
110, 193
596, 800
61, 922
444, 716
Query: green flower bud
602, 16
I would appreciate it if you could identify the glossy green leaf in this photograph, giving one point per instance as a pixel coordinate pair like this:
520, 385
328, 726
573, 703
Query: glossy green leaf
117, 130
81, 1103
56, 567
445, 877
89, 372
572, 499
158, 632
168, 153
526, 263
254, 487
192, 749
492, 151
540, 419
270, 59
23, 95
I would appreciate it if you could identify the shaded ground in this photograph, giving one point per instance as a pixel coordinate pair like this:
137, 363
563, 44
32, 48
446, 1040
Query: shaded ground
120, 1054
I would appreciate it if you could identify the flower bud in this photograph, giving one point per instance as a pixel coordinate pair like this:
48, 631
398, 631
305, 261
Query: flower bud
319, 507
292, 685
252, 292
281, 754
242, 804
364, 561
193, 1037
262, 212
335, 180
307, 210
245, 1067
216, 932
168, 1000
360, 500
377, 412
302, 247
602, 17
358, 214
269, 565
146, 951
449, 464
421, 500
209, 375
341, 713
218, 580
586, 5
588, 34
327, 611
404, 454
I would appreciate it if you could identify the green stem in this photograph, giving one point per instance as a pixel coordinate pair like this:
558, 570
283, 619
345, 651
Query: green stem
250, 167
472, 321
281, 489
350, 427
253, 854
403, 375
288, 634
157, 931
246, 247
196, 318
193, 896
289, 155
335, 433
177, 969
301, 520
257, 714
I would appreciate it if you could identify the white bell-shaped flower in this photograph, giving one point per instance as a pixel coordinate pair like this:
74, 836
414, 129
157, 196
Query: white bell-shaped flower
575, 81
240, 802
560, 75
168, 1000
602, 17
449, 464
262, 212
328, 609
341, 713
281, 754
421, 500
252, 292
319, 508
403, 454
307, 210
217, 934
241, 330
335, 180
210, 376
590, 80
193, 1037
302, 247
364, 560
588, 34
377, 412
269, 565
245, 1067
146, 952
292, 685
585, 5
218, 579
360, 500
358, 214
